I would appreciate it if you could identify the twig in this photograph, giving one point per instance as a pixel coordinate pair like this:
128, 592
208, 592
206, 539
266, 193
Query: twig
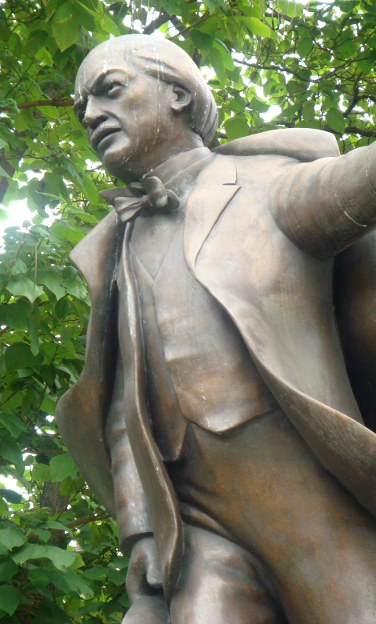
94, 518
365, 133
35, 103
155, 24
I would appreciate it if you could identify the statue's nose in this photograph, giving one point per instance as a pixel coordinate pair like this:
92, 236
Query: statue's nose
94, 114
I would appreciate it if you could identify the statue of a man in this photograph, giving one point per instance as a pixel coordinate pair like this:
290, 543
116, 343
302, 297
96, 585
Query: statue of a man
214, 416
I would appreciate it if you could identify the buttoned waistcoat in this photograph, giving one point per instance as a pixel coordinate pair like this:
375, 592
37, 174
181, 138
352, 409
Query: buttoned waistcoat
263, 223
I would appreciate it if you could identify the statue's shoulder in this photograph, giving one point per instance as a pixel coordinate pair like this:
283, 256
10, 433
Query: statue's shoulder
302, 144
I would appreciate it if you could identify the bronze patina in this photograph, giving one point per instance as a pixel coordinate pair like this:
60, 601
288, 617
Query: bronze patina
226, 410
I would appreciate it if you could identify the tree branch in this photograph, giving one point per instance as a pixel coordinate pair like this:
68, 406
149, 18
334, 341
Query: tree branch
94, 518
364, 133
355, 99
155, 24
35, 103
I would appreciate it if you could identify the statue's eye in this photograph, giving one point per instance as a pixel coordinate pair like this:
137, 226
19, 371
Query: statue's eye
112, 87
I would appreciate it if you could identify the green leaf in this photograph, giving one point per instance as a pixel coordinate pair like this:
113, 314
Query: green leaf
63, 13
109, 25
201, 40
290, 7
66, 232
62, 309
10, 598
12, 453
67, 487
48, 405
217, 62
14, 424
50, 613
34, 347
257, 27
15, 314
67, 581
365, 65
18, 267
85, 216
11, 496
95, 573
3, 173
90, 191
309, 111
347, 49
53, 524
92, 608
11, 400
3, 214
116, 577
8, 570
19, 355
24, 287
51, 279
236, 127
336, 120
43, 535
62, 466
41, 473
66, 34
60, 558
77, 563
227, 59
258, 105
304, 46
12, 538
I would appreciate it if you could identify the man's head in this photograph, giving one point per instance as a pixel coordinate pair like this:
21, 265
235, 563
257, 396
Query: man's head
142, 100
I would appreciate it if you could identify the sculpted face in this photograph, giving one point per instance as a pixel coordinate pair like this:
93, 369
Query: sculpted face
130, 117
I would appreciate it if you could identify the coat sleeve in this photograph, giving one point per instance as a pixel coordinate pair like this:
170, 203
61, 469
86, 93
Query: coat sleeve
131, 508
326, 205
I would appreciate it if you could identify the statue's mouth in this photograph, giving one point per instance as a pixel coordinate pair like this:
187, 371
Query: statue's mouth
101, 133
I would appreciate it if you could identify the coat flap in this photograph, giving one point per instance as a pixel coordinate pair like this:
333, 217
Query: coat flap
80, 412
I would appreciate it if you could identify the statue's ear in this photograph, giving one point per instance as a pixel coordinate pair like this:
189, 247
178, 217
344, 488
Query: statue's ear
182, 98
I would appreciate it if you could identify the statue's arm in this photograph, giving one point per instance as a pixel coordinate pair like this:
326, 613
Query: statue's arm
326, 205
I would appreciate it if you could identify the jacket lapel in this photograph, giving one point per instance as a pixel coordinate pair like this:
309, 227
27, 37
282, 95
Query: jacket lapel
214, 189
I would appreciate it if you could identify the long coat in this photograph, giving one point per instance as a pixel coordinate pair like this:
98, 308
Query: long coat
263, 224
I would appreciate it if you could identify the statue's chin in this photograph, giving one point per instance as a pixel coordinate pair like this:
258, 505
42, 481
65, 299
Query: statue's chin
118, 163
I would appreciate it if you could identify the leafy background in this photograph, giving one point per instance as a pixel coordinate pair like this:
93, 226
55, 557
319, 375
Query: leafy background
271, 64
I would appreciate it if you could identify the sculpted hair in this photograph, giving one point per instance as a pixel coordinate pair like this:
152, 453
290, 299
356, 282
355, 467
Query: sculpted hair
167, 62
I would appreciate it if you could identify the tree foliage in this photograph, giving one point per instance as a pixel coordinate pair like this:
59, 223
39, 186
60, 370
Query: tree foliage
271, 64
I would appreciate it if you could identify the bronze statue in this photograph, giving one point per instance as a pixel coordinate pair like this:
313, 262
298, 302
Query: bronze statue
215, 416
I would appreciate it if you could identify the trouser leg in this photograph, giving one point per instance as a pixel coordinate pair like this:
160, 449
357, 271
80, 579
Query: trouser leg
265, 487
220, 584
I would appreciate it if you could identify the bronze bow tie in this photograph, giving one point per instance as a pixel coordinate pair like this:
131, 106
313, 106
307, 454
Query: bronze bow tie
141, 198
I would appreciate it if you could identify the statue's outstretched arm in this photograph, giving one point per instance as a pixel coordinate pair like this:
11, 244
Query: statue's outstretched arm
326, 205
